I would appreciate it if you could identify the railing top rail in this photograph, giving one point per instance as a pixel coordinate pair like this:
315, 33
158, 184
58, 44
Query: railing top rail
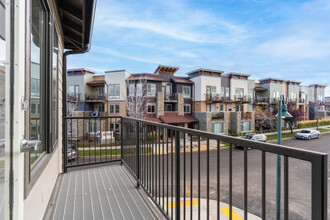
91, 117
301, 154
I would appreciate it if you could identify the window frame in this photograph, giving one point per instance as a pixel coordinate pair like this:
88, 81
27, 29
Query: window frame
152, 105
186, 95
114, 108
184, 108
114, 96
151, 94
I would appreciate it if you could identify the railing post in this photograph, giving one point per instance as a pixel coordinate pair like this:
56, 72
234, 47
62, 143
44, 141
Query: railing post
177, 175
137, 154
121, 140
319, 188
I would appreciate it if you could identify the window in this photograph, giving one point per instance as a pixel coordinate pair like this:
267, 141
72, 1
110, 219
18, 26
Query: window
151, 91
114, 126
210, 91
211, 108
74, 91
131, 89
227, 91
114, 90
186, 91
187, 108
114, 109
168, 107
239, 92
221, 107
250, 108
34, 109
151, 108
100, 107
139, 89
38, 127
230, 107
222, 91
218, 128
54, 92
245, 126
91, 127
239, 108
250, 93
100, 90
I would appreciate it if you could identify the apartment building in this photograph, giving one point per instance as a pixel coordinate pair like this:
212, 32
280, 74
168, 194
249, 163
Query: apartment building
316, 101
222, 102
161, 97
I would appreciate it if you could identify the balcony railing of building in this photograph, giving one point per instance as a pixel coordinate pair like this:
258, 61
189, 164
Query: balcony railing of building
301, 100
215, 97
242, 98
173, 166
293, 100
74, 97
171, 97
260, 100
95, 98
218, 116
246, 115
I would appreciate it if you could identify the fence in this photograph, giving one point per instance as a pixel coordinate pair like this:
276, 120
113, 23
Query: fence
174, 165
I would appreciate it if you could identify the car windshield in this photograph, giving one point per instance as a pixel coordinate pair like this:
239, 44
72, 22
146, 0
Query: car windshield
247, 136
305, 131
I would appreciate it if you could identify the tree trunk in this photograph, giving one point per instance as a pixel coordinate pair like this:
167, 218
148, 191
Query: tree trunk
291, 125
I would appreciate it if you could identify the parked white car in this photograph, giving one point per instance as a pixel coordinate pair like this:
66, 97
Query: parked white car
308, 134
253, 137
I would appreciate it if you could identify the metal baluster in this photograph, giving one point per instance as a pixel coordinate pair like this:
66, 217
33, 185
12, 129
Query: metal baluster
263, 170
286, 188
245, 183
218, 179
230, 182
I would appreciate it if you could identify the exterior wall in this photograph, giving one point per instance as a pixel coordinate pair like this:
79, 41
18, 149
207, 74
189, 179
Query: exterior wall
235, 82
118, 77
293, 89
200, 83
235, 122
180, 104
160, 104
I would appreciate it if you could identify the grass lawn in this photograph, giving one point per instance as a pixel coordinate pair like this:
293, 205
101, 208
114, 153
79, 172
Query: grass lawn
109, 152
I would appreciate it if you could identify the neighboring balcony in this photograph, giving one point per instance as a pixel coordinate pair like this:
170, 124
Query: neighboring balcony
245, 98
246, 115
215, 97
74, 97
95, 98
171, 97
218, 116
261, 100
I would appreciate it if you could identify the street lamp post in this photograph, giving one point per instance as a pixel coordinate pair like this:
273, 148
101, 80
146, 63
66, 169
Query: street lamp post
282, 113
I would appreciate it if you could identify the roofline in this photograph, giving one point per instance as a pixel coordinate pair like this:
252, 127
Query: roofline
204, 69
237, 74
112, 71
80, 69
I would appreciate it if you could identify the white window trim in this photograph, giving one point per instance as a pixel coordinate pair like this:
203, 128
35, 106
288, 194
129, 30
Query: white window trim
187, 105
114, 108
115, 96
151, 94
185, 95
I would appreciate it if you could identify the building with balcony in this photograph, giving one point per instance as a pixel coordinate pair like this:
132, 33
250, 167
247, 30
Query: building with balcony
220, 99
161, 97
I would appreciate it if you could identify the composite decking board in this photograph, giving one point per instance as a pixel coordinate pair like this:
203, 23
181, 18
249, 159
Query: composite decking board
100, 193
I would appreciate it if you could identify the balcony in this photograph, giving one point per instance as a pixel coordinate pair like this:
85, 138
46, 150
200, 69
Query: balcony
216, 97
245, 99
261, 100
301, 100
293, 100
218, 116
246, 115
168, 165
73, 97
171, 97
95, 98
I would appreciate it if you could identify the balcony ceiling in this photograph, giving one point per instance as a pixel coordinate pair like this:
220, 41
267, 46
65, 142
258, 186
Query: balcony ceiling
77, 19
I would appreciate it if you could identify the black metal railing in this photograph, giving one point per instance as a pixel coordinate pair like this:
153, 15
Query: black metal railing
91, 140
218, 116
215, 97
246, 98
171, 97
261, 100
180, 167
73, 97
95, 98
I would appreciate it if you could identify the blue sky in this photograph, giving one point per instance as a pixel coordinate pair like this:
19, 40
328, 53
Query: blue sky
264, 38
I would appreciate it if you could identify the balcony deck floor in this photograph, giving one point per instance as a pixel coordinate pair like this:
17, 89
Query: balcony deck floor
101, 193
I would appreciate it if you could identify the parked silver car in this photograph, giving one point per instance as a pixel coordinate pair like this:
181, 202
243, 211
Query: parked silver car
308, 134
253, 137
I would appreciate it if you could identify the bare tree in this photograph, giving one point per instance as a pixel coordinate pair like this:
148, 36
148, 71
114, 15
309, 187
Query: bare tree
263, 118
297, 115
136, 98
70, 108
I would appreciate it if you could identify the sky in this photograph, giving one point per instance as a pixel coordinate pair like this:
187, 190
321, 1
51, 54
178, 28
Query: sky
265, 38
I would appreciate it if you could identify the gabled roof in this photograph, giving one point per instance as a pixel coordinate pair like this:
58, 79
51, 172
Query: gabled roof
151, 77
182, 80
173, 118
166, 69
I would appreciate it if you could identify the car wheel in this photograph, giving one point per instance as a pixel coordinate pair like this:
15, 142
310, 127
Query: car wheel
309, 138
318, 136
